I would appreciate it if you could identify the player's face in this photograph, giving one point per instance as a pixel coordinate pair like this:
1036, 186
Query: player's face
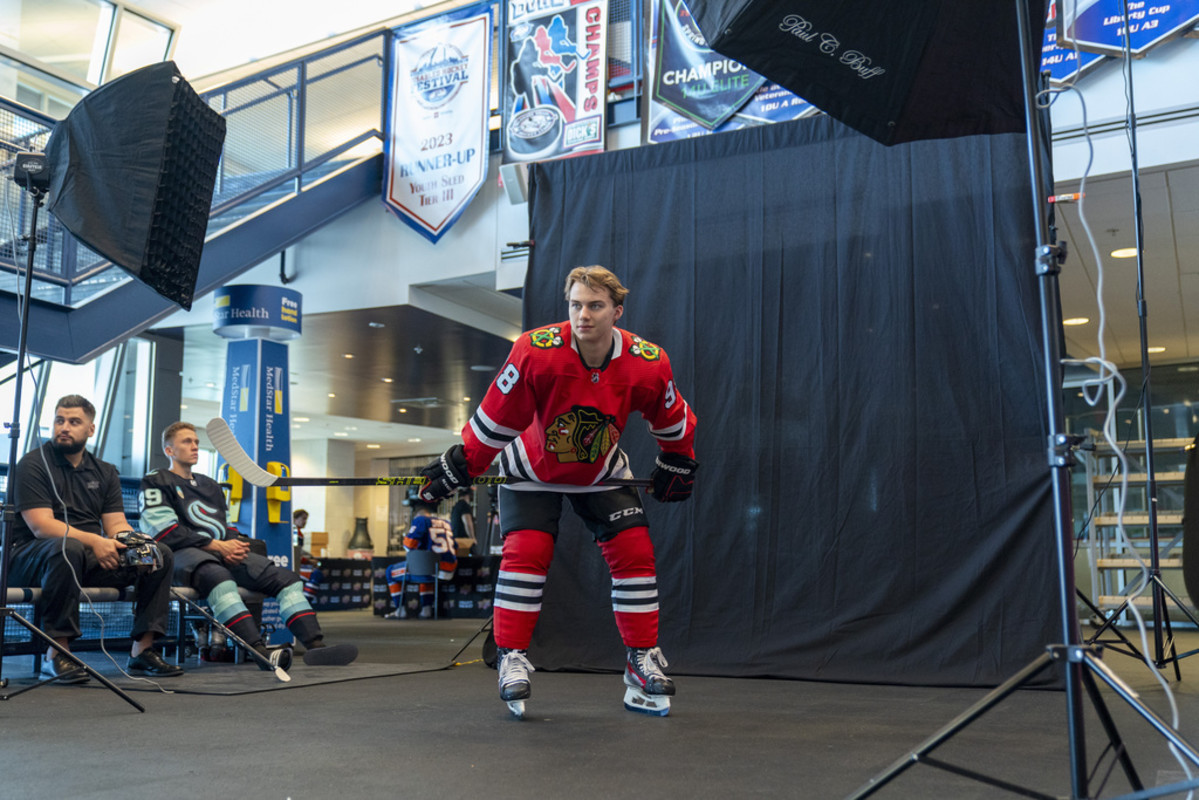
593, 315
185, 449
72, 428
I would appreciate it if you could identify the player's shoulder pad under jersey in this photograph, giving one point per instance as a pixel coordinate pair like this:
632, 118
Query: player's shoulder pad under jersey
547, 338
642, 349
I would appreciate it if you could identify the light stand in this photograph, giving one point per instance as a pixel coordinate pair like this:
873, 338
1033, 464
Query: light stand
30, 172
1082, 663
1163, 632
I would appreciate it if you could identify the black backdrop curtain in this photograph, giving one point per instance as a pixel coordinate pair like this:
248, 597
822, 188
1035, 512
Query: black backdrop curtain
857, 330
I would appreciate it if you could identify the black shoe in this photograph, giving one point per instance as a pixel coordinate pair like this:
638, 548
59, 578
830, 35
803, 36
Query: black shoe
64, 668
150, 662
323, 655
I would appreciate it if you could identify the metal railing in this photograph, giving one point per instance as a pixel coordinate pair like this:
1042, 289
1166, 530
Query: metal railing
287, 127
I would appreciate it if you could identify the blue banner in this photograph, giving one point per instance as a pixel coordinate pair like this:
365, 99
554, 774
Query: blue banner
1099, 26
1064, 65
251, 310
255, 402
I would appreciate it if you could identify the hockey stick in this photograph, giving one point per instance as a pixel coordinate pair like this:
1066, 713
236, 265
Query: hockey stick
280, 673
230, 449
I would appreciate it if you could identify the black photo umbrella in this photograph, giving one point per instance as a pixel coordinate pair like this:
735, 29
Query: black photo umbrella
895, 70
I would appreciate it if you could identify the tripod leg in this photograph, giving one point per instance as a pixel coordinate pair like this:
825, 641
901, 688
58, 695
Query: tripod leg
37, 632
993, 698
1109, 727
1113, 681
1109, 623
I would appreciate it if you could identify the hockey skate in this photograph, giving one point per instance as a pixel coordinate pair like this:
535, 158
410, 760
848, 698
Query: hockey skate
514, 669
648, 690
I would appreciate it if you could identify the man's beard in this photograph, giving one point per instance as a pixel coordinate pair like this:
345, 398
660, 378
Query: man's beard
69, 449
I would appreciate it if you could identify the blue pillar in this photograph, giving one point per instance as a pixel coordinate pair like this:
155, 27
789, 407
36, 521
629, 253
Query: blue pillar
256, 404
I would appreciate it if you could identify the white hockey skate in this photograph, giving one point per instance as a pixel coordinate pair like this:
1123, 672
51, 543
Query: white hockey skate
514, 669
648, 690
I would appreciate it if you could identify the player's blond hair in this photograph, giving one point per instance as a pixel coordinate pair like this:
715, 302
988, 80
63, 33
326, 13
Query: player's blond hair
597, 277
168, 435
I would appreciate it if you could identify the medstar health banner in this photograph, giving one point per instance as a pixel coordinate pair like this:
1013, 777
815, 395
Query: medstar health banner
437, 133
557, 88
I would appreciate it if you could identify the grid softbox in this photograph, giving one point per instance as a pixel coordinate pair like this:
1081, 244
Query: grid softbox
895, 70
132, 173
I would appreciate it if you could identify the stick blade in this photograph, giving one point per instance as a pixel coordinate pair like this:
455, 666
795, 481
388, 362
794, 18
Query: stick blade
222, 438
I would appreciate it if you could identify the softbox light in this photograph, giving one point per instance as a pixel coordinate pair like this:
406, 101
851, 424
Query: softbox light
895, 70
132, 172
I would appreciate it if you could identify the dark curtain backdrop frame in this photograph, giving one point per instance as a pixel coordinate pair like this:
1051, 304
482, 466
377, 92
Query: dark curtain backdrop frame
857, 329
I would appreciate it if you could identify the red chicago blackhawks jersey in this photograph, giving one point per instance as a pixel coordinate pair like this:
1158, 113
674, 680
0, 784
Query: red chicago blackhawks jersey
559, 422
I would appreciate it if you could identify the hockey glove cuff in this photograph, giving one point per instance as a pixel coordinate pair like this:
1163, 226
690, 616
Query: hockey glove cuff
673, 477
445, 475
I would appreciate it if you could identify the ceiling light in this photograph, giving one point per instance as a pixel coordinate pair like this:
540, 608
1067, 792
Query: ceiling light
414, 441
183, 407
1124, 252
331, 394
387, 380
1155, 349
482, 368
1189, 368
348, 355
373, 446
340, 433
375, 325
403, 411
301, 419
1076, 321
210, 385
466, 399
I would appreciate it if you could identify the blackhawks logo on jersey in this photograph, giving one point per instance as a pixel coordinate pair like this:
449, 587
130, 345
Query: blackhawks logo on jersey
545, 338
582, 434
647, 350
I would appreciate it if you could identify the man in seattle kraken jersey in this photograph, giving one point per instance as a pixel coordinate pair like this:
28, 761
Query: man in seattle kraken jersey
186, 512
554, 416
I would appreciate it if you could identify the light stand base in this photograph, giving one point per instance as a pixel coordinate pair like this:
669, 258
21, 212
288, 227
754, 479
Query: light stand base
7, 614
1088, 662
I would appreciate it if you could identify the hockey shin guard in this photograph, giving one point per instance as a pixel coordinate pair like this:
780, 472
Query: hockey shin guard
630, 557
301, 619
231, 612
520, 585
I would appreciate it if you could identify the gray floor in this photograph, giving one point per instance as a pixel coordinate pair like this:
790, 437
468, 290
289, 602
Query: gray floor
445, 734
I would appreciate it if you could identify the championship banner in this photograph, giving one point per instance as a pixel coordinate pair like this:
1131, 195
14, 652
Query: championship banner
437, 138
556, 98
696, 91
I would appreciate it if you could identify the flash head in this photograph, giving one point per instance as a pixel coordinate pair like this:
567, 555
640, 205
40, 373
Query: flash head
31, 171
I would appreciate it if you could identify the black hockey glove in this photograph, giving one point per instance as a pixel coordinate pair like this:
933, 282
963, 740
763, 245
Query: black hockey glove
445, 475
673, 477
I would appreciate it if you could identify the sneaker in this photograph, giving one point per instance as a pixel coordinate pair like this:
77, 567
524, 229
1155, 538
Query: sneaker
643, 671
65, 668
399, 613
426, 612
149, 661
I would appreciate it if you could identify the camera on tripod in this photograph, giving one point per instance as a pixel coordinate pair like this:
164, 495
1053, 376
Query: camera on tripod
140, 551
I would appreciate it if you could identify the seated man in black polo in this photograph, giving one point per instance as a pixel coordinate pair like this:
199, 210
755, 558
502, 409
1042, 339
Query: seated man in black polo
186, 511
70, 510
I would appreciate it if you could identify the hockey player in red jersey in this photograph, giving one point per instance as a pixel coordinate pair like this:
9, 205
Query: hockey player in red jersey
554, 415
